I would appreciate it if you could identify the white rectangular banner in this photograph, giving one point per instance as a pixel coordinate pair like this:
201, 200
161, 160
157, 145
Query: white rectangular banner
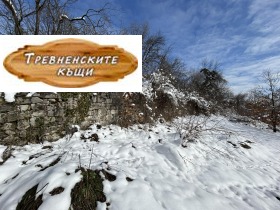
71, 63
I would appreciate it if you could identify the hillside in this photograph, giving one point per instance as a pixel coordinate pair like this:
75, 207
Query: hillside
228, 165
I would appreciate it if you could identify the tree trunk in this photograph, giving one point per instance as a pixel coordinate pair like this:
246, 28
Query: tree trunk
37, 20
17, 19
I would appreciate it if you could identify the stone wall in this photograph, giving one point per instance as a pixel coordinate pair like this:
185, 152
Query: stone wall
48, 116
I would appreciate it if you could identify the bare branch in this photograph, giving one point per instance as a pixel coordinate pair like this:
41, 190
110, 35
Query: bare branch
11, 7
51, 17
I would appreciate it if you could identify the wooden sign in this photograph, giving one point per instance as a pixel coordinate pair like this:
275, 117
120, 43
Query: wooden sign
71, 63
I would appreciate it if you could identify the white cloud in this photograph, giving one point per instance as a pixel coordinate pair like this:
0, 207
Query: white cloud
265, 25
246, 75
261, 48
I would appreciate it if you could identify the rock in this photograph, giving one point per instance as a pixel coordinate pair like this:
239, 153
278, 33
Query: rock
51, 96
6, 108
46, 101
3, 118
23, 124
36, 95
24, 107
24, 101
10, 132
38, 114
33, 121
24, 115
36, 100
9, 126
12, 117
22, 133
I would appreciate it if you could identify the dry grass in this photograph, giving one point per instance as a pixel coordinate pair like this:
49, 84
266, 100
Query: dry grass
28, 201
88, 191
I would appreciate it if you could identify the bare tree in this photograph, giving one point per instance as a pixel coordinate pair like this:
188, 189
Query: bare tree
271, 89
51, 17
153, 46
210, 64
240, 103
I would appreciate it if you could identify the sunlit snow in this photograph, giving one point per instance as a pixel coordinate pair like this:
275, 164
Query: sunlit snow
213, 172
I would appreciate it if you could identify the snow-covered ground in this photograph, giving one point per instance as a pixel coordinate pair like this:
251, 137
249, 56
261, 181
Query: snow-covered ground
232, 166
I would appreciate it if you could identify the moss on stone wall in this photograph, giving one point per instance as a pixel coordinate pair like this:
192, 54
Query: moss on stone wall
81, 110
84, 103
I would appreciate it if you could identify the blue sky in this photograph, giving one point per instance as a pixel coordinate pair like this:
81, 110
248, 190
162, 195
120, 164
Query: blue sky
243, 35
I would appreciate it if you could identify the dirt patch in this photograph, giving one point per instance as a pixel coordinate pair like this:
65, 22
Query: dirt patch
108, 176
244, 145
36, 155
249, 142
56, 191
47, 147
233, 144
39, 166
52, 163
129, 179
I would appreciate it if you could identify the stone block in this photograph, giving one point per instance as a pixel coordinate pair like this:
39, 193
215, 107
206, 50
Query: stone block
12, 117
2, 135
7, 108
38, 114
94, 99
36, 100
100, 100
24, 115
50, 113
3, 118
113, 111
9, 126
36, 95
22, 133
52, 120
26, 101
51, 96
9, 140
10, 132
21, 95
24, 107
23, 124
33, 121
46, 101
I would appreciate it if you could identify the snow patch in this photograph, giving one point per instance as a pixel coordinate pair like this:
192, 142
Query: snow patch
10, 96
